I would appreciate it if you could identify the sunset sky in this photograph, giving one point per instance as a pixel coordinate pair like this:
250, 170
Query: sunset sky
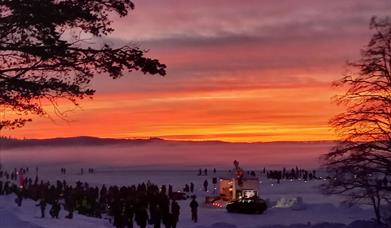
254, 70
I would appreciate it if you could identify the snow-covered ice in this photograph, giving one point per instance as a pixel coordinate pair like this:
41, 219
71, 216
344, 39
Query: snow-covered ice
317, 208
177, 164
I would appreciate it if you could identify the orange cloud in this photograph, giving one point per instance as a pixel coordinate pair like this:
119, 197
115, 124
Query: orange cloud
270, 114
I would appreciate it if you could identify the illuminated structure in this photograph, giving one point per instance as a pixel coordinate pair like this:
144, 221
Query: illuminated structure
239, 186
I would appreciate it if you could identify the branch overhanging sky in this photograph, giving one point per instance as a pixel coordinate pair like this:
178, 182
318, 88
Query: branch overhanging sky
237, 71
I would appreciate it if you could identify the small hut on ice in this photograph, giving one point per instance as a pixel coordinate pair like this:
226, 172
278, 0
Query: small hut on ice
239, 186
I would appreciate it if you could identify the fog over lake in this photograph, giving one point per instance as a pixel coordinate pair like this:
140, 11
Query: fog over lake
160, 154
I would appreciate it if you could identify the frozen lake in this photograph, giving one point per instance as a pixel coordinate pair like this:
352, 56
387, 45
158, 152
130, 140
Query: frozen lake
169, 155
317, 207
177, 163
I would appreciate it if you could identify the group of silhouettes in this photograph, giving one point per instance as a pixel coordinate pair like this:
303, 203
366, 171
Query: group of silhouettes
290, 174
204, 172
126, 206
189, 188
89, 170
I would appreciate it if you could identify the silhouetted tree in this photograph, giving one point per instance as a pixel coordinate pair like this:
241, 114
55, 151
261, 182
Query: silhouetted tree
49, 51
360, 163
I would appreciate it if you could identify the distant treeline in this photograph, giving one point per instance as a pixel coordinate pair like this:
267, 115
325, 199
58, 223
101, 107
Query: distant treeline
8, 142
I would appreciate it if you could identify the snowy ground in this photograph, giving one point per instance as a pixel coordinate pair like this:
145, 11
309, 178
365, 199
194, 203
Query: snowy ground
317, 207
116, 164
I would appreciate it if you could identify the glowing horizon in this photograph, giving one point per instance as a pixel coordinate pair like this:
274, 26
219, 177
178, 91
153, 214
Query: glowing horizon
260, 71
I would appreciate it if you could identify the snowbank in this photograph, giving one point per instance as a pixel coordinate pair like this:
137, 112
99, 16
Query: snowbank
355, 224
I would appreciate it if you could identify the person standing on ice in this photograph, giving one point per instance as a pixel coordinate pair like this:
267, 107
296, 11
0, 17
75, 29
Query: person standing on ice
186, 189
21, 178
156, 216
42, 206
69, 205
194, 209
55, 210
175, 210
206, 185
141, 217
19, 197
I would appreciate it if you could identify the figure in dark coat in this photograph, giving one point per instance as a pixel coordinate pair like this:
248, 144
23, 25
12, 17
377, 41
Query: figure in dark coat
141, 217
194, 209
117, 210
42, 206
175, 210
19, 197
70, 206
157, 217
129, 213
55, 210
206, 185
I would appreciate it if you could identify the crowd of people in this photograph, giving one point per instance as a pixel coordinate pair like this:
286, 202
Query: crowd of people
143, 204
294, 173
125, 206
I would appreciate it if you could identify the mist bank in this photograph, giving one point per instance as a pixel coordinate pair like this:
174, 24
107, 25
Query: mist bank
159, 154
